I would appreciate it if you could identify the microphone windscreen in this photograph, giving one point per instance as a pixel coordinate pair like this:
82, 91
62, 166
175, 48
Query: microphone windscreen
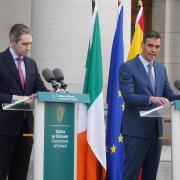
177, 84
48, 75
59, 76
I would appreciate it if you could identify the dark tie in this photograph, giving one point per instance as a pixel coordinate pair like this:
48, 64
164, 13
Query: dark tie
21, 75
150, 75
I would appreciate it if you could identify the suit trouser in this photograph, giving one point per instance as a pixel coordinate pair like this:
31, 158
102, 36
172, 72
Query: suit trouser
142, 153
15, 152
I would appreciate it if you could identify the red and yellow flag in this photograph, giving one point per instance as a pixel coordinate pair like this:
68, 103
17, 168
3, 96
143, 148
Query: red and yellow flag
135, 48
138, 35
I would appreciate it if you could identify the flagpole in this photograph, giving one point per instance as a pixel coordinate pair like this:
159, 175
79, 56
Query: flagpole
119, 2
140, 3
93, 5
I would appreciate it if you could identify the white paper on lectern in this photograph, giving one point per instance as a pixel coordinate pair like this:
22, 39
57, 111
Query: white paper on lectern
160, 111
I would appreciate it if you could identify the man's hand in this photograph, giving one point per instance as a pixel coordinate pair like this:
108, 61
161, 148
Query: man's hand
28, 99
159, 100
17, 98
32, 97
60, 90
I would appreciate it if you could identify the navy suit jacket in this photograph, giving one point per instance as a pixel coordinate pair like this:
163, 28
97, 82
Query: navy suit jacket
136, 90
11, 122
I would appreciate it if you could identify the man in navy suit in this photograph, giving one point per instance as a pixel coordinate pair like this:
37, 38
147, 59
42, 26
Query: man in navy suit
19, 78
144, 85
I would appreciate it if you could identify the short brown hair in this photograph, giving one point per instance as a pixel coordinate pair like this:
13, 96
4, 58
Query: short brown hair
17, 31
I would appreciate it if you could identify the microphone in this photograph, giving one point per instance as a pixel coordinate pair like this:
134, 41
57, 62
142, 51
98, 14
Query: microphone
177, 84
49, 77
59, 77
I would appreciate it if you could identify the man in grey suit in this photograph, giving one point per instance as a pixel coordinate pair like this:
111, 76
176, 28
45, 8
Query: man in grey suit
19, 78
144, 85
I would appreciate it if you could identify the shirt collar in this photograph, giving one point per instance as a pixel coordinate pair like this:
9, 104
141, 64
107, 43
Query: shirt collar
144, 61
14, 55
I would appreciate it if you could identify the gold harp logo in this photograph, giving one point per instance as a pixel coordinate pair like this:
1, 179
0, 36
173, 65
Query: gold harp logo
60, 113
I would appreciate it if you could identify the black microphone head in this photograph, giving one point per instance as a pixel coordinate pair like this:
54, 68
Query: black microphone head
59, 76
48, 75
177, 84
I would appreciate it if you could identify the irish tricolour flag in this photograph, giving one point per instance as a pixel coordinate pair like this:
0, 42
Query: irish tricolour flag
91, 155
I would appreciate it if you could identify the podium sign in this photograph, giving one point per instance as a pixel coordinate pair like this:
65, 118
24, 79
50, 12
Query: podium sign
55, 135
59, 141
173, 112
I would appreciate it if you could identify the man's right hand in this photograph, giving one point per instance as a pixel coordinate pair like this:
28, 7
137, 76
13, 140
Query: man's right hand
159, 100
17, 98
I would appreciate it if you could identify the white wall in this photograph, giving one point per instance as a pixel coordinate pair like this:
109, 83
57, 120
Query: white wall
11, 12
61, 35
166, 12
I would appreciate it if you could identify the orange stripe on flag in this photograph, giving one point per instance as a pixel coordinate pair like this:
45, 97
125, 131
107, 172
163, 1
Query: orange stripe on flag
81, 155
88, 167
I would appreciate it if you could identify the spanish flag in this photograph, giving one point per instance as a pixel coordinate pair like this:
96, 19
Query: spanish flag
138, 35
135, 48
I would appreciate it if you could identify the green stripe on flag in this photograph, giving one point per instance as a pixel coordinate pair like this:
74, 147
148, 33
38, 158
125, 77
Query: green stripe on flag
94, 79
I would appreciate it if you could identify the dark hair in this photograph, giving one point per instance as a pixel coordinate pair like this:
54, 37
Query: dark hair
151, 34
17, 31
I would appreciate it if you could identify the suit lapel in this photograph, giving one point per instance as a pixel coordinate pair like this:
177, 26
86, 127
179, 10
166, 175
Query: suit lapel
27, 68
157, 80
12, 67
143, 73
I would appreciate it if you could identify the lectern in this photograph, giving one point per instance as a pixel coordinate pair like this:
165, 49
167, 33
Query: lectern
172, 112
55, 135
